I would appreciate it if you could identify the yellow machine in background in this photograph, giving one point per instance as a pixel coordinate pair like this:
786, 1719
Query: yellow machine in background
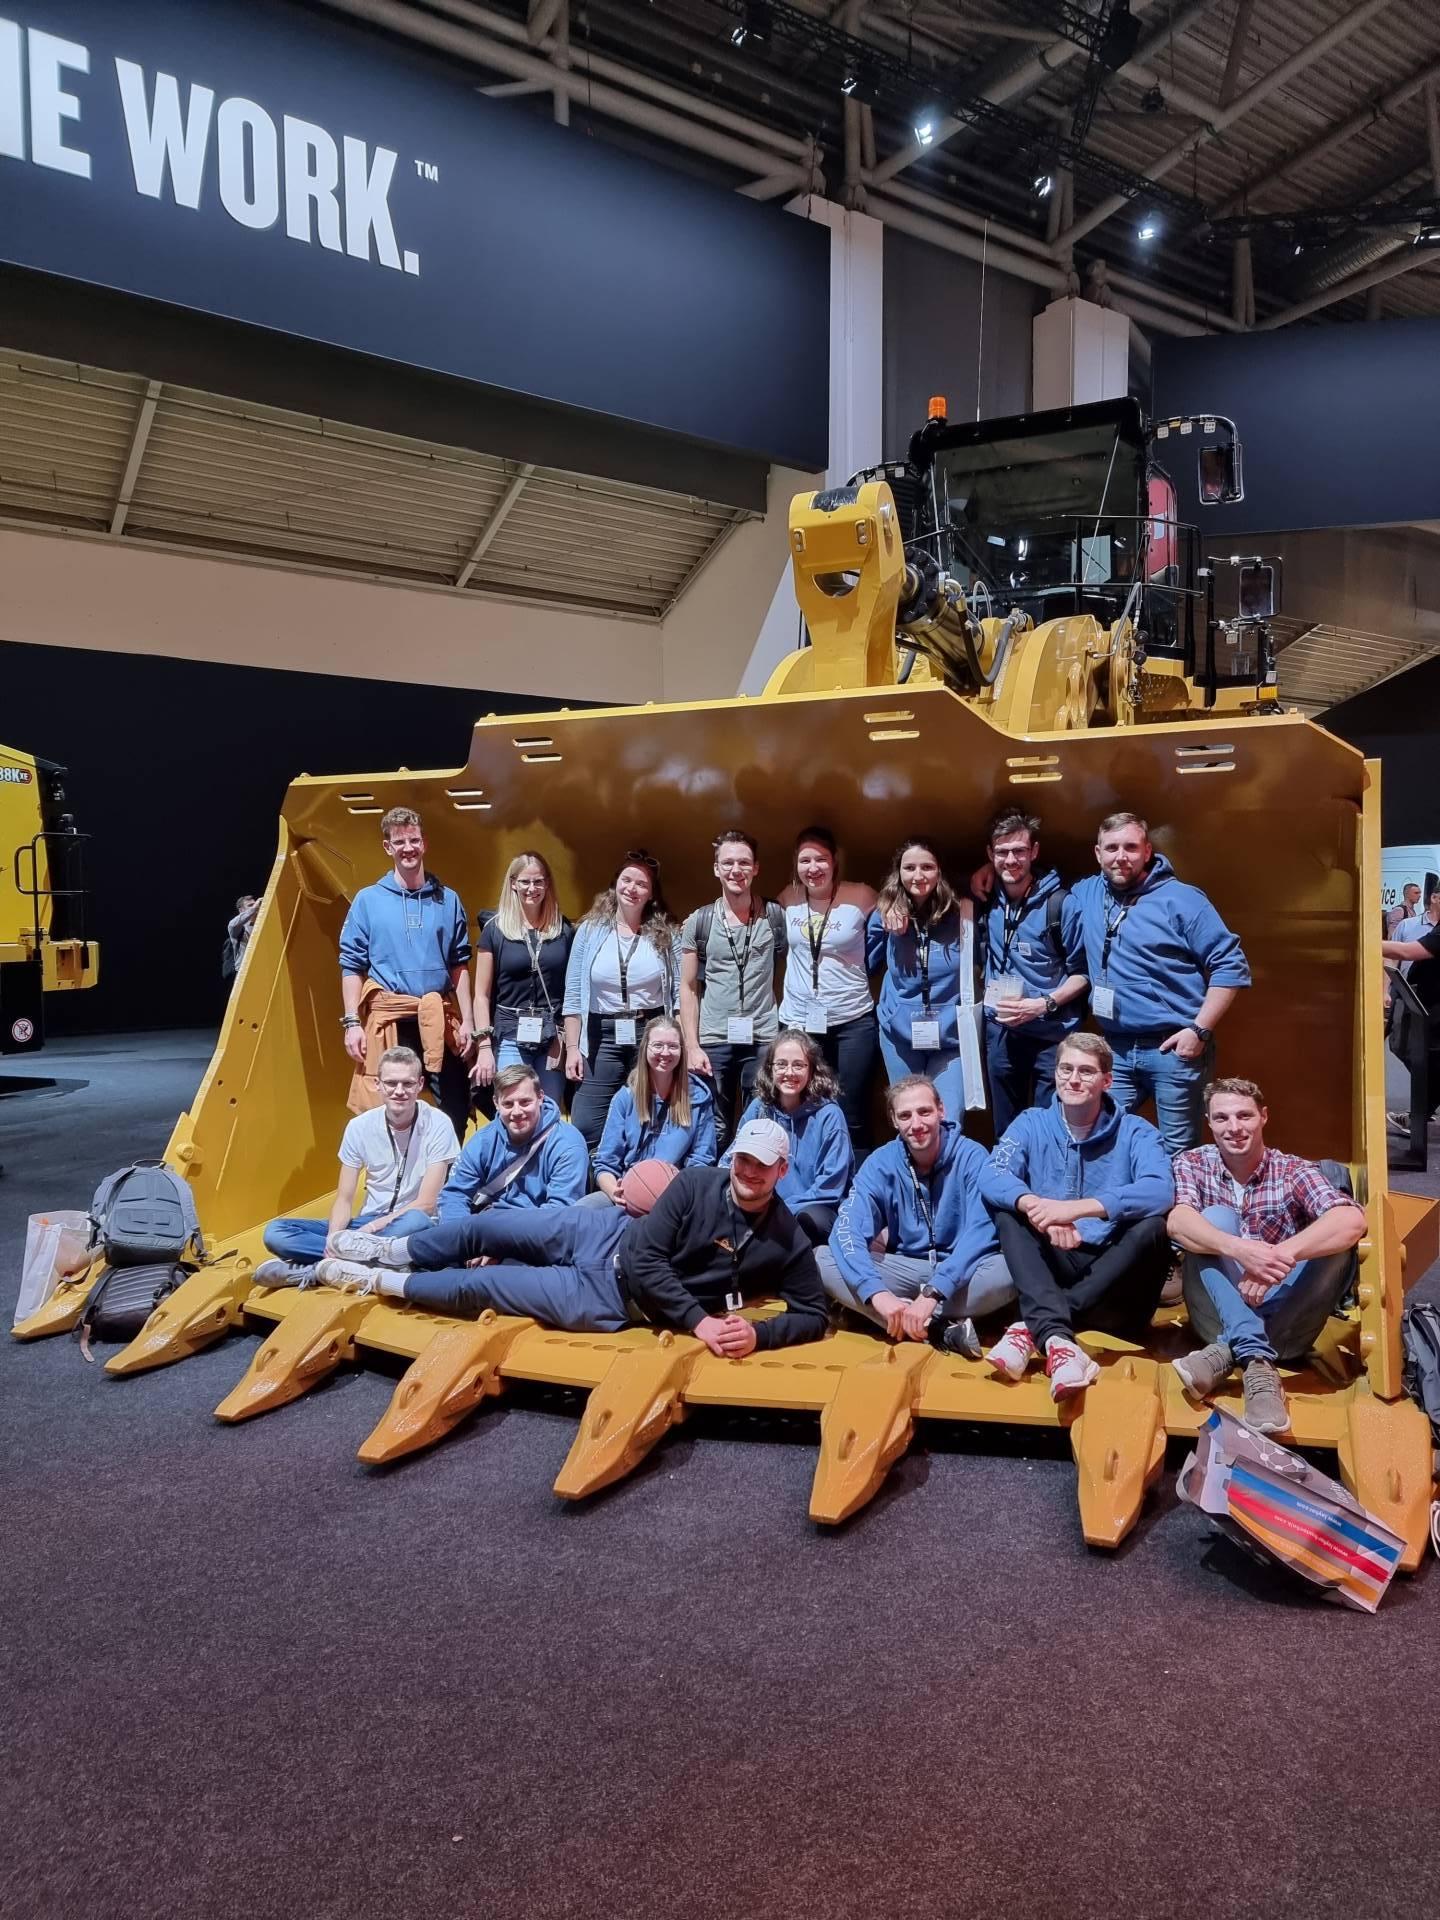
42, 944
924, 699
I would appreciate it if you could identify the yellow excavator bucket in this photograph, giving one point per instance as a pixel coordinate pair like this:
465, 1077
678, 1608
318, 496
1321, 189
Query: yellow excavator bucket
1273, 817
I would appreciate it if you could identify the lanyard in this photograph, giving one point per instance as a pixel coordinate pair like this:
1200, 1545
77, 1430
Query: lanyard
401, 1166
922, 960
742, 957
741, 1234
817, 941
625, 956
1112, 931
927, 1212
537, 977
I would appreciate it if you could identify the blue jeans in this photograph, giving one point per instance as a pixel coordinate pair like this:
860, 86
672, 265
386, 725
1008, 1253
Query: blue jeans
1288, 1321
943, 1068
553, 1264
1176, 1086
303, 1241
1021, 1068
510, 1053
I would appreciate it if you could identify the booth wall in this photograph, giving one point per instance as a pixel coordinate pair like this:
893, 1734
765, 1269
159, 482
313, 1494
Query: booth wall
1398, 723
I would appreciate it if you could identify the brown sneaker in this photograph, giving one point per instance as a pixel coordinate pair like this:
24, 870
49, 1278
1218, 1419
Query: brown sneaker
1204, 1372
1265, 1408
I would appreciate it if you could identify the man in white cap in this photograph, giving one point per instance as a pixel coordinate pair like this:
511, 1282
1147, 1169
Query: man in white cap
715, 1240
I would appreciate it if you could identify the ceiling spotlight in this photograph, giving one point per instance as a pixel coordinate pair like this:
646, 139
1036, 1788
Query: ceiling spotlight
754, 24
849, 84
859, 83
1427, 237
927, 120
1152, 101
1044, 185
1148, 228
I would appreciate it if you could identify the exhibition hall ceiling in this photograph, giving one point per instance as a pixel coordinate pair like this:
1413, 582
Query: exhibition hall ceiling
89, 450
1306, 130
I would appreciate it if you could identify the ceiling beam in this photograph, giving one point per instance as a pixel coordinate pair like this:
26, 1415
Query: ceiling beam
492, 526
1239, 34
139, 440
1412, 258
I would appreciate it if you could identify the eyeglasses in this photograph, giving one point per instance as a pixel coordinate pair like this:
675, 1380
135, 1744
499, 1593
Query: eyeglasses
530, 885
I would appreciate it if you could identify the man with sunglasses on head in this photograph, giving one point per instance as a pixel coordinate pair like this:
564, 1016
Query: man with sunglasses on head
730, 951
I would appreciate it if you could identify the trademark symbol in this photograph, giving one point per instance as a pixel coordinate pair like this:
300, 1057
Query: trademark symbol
427, 169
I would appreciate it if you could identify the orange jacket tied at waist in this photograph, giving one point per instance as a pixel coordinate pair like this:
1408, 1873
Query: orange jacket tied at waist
381, 1011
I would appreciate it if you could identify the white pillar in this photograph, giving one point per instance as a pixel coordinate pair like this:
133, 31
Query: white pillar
1081, 352
857, 311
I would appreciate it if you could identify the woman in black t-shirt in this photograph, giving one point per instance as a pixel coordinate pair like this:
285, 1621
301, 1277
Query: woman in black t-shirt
520, 961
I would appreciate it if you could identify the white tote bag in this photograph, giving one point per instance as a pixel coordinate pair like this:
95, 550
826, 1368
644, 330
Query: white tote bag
56, 1244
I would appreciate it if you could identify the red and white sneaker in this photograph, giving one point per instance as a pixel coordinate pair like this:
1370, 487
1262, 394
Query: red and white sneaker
1070, 1370
1013, 1351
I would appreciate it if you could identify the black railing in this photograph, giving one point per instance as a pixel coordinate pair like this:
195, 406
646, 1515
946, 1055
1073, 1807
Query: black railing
67, 910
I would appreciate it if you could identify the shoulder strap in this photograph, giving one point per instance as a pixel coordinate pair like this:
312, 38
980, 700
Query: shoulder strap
1054, 908
704, 921
492, 1189
775, 914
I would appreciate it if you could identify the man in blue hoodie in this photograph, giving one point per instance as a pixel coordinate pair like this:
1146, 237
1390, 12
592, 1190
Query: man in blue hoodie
408, 936
913, 1248
1164, 969
1080, 1193
527, 1156
1032, 948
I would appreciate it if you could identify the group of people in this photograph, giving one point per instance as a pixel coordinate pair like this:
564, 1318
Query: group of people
1412, 944
739, 1047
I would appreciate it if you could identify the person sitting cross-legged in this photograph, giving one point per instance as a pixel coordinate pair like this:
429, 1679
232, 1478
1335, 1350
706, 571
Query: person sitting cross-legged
1080, 1192
663, 1112
404, 1148
716, 1239
1268, 1241
526, 1157
913, 1248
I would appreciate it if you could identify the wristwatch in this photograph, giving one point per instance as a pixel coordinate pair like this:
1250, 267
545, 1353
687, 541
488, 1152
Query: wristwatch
1203, 1034
1052, 1005
927, 1292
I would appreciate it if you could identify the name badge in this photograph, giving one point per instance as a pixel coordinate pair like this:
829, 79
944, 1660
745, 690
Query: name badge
1005, 986
625, 1030
1023, 946
1102, 1002
529, 1030
817, 1019
740, 1030
734, 1302
925, 1035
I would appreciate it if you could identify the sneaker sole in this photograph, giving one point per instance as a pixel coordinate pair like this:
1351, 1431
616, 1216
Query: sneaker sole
1004, 1372
1192, 1390
1069, 1391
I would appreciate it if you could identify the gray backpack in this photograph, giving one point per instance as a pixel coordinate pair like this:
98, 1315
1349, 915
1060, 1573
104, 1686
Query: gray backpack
143, 1220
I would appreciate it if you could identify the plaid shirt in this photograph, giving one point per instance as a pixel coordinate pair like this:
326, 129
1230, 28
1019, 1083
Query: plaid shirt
1283, 1194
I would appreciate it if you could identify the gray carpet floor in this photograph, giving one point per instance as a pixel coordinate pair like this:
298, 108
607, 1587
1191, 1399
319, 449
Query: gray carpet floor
244, 1675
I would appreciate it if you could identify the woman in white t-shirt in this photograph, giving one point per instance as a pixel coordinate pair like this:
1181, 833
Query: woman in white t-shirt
405, 1150
827, 986
621, 973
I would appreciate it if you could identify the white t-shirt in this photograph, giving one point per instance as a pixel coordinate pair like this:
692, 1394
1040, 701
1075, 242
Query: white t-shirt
367, 1143
644, 975
844, 985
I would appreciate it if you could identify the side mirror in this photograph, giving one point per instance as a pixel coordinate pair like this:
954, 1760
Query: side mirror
1259, 594
1220, 479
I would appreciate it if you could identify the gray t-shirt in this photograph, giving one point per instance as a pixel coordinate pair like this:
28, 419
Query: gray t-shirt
721, 996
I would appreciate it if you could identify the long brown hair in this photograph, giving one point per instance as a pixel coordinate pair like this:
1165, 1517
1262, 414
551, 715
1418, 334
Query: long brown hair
893, 893
642, 1091
655, 921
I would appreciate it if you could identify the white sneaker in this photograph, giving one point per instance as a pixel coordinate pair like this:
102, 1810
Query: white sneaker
1070, 1369
371, 1249
349, 1275
1013, 1351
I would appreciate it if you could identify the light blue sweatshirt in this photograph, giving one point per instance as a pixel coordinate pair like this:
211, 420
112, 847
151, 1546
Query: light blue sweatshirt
409, 942
557, 1176
1170, 948
1121, 1163
886, 1194
590, 937
902, 996
822, 1159
625, 1141
1032, 958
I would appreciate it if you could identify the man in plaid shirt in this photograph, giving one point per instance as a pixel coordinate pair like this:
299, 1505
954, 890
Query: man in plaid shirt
1268, 1240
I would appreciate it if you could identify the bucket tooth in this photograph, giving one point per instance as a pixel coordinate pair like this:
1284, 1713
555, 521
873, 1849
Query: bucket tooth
457, 1370
316, 1334
60, 1312
195, 1315
1386, 1461
1118, 1439
865, 1428
637, 1402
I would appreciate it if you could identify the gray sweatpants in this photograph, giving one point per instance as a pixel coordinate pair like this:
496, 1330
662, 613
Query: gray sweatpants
987, 1290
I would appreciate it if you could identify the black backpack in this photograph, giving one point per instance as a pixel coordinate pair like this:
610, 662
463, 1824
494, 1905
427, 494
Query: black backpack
1420, 1372
1054, 938
705, 920
143, 1220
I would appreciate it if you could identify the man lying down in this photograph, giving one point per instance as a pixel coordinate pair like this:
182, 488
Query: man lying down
717, 1238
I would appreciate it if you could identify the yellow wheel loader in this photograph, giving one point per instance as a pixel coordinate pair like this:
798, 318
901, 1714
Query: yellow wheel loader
1009, 614
43, 948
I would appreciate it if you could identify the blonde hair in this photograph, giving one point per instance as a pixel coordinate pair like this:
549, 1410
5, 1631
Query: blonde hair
642, 1091
1091, 1044
511, 915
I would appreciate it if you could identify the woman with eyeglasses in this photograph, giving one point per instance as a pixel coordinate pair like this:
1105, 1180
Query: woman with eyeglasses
917, 933
827, 979
663, 1112
622, 972
795, 1087
520, 961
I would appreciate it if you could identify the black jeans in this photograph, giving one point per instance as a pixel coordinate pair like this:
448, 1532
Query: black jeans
450, 1087
1021, 1069
852, 1047
1112, 1289
816, 1221
607, 1067
734, 1083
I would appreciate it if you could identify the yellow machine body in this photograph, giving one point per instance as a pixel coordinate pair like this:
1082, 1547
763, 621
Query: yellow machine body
1277, 820
27, 914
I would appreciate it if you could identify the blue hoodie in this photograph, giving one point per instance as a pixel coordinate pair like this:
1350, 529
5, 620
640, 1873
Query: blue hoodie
1032, 957
884, 1195
1121, 1163
409, 942
901, 997
822, 1159
624, 1141
1170, 948
557, 1176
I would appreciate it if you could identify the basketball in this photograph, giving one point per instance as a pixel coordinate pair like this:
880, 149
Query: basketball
643, 1185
